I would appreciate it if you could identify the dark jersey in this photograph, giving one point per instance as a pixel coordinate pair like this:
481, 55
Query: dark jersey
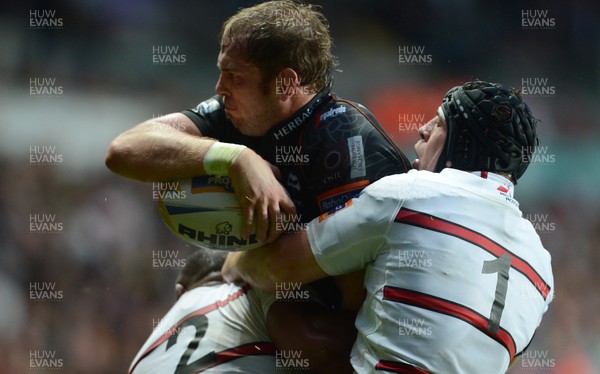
327, 152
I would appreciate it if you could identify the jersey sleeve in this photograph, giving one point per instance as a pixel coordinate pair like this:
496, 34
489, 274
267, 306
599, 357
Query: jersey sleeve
207, 115
350, 236
210, 118
353, 151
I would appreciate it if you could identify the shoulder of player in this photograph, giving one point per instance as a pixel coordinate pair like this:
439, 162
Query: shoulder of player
340, 119
336, 110
215, 293
389, 185
209, 106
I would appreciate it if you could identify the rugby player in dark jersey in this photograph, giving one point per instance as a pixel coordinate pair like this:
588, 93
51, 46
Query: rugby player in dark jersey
274, 116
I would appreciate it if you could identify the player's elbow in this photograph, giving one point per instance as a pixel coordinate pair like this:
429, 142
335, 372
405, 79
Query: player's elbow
117, 154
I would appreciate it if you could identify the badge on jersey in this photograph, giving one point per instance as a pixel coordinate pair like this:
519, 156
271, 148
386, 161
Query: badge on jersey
333, 211
356, 150
339, 195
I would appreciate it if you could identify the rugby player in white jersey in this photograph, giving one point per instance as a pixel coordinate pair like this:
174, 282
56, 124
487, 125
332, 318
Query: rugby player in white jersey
216, 327
456, 279
213, 326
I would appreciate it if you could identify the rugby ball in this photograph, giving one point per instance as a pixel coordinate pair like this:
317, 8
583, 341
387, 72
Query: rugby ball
204, 212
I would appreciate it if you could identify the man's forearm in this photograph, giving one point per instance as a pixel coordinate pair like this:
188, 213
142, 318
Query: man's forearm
289, 259
251, 267
154, 152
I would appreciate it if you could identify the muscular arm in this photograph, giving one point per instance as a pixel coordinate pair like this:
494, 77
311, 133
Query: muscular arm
324, 337
159, 149
172, 147
289, 259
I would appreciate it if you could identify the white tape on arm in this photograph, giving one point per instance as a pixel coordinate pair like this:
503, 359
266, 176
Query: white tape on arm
220, 156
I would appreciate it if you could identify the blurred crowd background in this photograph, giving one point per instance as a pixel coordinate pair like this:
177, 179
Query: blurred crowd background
86, 267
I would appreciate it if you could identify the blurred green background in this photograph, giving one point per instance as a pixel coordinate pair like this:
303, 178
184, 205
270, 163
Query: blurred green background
83, 270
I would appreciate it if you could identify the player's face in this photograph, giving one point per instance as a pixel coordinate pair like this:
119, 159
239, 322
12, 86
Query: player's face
253, 110
431, 143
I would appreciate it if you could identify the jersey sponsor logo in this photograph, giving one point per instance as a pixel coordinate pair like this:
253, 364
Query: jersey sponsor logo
333, 211
356, 150
332, 177
340, 195
332, 112
291, 126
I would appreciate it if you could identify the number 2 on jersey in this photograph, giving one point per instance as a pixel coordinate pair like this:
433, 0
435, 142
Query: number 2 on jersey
500, 265
200, 322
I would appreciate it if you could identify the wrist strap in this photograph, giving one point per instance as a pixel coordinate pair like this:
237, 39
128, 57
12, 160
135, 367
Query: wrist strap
220, 156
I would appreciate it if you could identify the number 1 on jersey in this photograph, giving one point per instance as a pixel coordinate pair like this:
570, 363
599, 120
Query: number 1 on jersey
501, 265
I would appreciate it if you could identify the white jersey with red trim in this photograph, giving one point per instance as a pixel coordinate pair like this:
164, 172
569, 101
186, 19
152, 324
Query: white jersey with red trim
457, 281
211, 329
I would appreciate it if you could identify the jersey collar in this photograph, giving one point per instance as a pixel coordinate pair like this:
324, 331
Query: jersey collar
503, 184
287, 126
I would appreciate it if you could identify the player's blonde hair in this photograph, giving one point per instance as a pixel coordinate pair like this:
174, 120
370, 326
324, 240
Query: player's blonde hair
283, 34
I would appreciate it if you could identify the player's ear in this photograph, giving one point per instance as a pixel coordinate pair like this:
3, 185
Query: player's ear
287, 82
